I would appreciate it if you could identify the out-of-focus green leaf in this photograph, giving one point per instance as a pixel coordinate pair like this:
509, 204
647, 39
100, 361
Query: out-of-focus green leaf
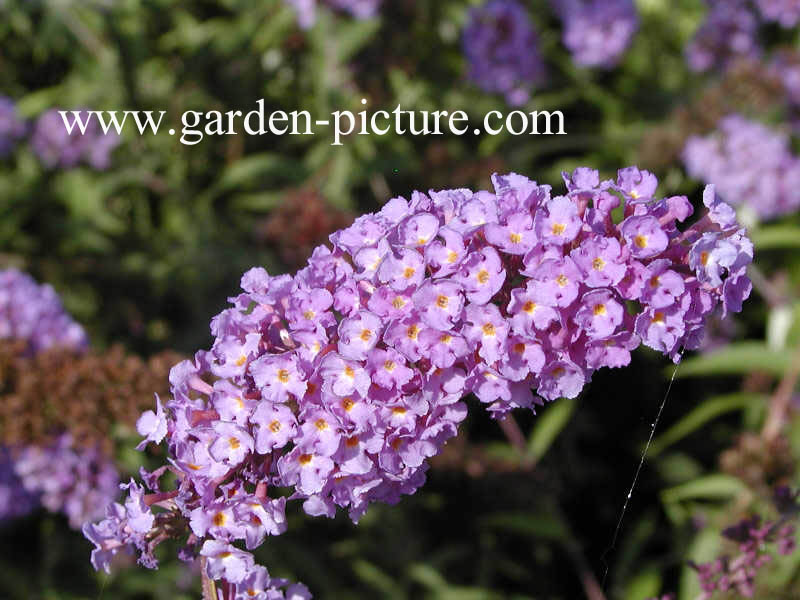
377, 579
702, 414
645, 584
541, 526
548, 425
711, 487
780, 236
735, 359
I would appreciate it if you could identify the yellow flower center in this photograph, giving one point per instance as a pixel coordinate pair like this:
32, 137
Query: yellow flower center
398, 302
304, 459
309, 314
389, 365
442, 301
219, 519
241, 360
452, 257
275, 426
598, 264
234, 443
562, 280
488, 329
408, 273
558, 228
482, 276
283, 376
321, 424
529, 307
599, 309
515, 238
366, 334
412, 332
640, 241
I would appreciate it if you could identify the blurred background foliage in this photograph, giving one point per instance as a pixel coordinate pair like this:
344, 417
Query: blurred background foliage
145, 252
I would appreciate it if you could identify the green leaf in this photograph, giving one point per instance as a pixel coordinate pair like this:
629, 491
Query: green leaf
710, 487
646, 584
377, 579
776, 237
539, 526
702, 414
549, 425
735, 359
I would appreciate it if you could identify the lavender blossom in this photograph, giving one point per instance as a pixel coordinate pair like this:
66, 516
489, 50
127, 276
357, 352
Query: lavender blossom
728, 32
57, 148
34, 313
785, 67
15, 500
750, 166
12, 128
502, 50
77, 482
785, 12
597, 32
362, 359
307, 9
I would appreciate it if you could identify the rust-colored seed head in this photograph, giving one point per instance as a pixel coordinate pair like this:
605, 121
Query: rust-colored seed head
86, 394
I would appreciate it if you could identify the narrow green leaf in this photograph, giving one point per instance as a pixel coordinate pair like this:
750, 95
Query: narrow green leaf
776, 237
549, 425
710, 487
735, 359
540, 526
702, 414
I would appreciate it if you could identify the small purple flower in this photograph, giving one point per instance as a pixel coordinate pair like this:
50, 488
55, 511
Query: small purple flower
559, 223
728, 32
481, 275
557, 282
225, 561
359, 334
279, 377
599, 314
439, 303
644, 236
275, 426
600, 260
561, 379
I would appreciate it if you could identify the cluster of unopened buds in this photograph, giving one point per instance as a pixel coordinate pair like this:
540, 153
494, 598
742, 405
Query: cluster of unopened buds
753, 536
339, 382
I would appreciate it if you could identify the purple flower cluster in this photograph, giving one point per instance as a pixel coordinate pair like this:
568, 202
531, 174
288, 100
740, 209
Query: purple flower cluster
57, 148
12, 128
597, 32
750, 164
307, 9
15, 500
729, 32
341, 381
785, 12
33, 312
502, 49
77, 482
785, 67
738, 574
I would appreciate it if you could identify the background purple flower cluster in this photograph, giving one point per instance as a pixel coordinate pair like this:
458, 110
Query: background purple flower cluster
597, 32
341, 381
57, 148
50, 141
78, 482
502, 49
738, 157
34, 313
12, 127
728, 32
307, 9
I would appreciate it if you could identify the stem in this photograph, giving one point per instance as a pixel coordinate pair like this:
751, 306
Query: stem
208, 585
781, 399
765, 287
514, 434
